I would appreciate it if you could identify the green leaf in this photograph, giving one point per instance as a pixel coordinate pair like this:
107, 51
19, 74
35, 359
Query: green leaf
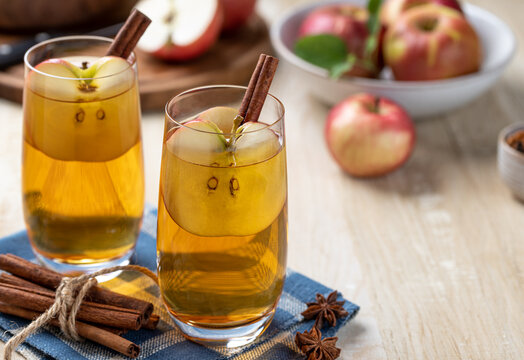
322, 50
340, 69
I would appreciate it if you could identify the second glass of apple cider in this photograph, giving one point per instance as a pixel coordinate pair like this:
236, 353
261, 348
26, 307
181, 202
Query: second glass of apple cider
82, 173
222, 216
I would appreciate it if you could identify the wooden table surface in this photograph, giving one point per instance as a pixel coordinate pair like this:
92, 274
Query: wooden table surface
433, 253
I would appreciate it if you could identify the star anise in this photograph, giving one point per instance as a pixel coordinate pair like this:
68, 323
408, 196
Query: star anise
316, 348
323, 309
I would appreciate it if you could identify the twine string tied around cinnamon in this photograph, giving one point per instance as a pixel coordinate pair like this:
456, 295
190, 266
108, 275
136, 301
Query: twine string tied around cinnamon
69, 297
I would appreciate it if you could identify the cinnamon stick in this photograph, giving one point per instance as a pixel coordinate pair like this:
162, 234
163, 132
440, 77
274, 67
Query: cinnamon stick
50, 279
152, 323
6, 278
90, 332
113, 330
128, 36
242, 111
258, 88
36, 300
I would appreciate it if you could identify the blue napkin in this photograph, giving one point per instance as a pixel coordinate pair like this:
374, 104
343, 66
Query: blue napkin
167, 342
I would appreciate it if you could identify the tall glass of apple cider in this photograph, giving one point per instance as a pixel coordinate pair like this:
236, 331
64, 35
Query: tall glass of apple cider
222, 216
82, 173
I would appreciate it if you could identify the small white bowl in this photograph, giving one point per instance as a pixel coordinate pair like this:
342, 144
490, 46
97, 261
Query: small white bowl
419, 98
511, 162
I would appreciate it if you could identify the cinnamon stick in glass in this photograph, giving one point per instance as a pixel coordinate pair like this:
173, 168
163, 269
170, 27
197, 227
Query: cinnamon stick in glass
258, 88
93, 333
50, 279
128, 36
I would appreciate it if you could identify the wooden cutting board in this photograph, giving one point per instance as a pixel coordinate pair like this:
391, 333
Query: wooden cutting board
230, 61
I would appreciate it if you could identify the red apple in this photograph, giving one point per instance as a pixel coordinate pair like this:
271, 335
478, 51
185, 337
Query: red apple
349, 22
181, 29
236, 13
393, 9
432, 42
369, 135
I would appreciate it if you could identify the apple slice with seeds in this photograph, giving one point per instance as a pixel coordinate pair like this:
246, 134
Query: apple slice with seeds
89, 128
199, 142
66, 82
237, 191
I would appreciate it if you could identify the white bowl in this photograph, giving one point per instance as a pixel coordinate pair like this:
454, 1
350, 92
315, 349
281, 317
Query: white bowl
419, 98
511, 162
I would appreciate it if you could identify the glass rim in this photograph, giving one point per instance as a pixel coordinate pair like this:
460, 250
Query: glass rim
74, 37
214, 87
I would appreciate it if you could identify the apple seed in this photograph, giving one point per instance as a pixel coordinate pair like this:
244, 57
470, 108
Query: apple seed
100, 114
234, 186
80, 116
212, 183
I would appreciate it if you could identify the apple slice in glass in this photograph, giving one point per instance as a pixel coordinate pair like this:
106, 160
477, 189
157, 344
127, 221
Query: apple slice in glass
256, 143
56, 79
238, 191
222, 116
76, 116
111, 75
200, 142
61, 80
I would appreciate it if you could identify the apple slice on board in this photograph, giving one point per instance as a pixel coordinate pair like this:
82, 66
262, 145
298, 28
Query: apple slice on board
180, 29
74, 115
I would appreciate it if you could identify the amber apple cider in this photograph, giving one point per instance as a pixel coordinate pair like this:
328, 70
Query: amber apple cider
222, 224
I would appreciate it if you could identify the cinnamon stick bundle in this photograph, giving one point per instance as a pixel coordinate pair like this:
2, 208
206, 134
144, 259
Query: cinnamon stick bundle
90, 332
22, 284
51, 279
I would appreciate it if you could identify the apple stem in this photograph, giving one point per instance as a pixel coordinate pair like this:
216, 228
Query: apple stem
236, 123
233, 138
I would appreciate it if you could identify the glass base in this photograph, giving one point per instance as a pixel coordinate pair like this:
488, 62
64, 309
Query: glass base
76, 269
228, 337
